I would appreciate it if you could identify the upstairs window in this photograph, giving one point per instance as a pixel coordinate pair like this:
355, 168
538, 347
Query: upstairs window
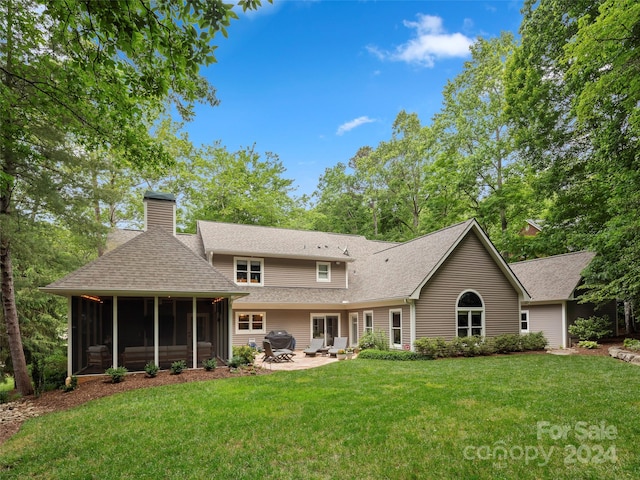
323, 271
249, 271
470, 313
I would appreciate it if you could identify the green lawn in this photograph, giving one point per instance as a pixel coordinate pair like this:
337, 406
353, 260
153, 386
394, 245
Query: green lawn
356, 419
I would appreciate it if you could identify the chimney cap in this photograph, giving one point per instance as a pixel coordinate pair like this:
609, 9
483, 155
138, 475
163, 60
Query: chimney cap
168, 197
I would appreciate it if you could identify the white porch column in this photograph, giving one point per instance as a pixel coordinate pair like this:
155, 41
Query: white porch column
564, 325
69, 336
230, 329
114, 354
194, 335
156, 333
412, 324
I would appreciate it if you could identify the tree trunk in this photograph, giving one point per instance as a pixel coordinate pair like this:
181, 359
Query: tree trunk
20, 372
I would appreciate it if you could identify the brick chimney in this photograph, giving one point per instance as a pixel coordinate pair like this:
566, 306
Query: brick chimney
160, 211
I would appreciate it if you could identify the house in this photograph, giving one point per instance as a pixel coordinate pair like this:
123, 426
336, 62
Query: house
532, 228
161, 296
554, 286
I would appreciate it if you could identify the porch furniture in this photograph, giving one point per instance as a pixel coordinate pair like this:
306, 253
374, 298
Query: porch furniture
317, 344
339, 343
276, 356
139, 356
99, 356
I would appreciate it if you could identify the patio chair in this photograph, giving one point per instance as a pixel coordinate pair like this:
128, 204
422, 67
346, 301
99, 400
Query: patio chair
276, 356
339, 343
317, 344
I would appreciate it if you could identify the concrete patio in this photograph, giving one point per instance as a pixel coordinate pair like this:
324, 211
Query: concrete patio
300, 362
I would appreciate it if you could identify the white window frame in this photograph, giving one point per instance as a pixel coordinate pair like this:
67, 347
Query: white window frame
251, 330
528, 320
366, 327
392, 328
353, 339
318, 277
469, 311
248, 283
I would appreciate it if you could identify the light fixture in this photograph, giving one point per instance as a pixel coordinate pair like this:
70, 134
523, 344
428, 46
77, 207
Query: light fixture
92, 298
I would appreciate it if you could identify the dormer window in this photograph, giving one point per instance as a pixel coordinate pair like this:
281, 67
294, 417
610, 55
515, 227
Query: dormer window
249, 271
323, 271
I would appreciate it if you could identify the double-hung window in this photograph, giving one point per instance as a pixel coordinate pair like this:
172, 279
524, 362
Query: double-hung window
395, 320
249, 271
368, 322
524, 321
323, 271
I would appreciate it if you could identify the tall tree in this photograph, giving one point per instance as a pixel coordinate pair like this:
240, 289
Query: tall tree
573, 87
77, 74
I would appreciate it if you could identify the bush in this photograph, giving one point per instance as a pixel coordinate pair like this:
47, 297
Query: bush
246, 353
4, 396
117, 374
151, 369
209, 364
632, 344
507, 343
534, 341
433, 347
592, 328
588, 344
71, 385
235, 362
376, 340
401, 355
177, 367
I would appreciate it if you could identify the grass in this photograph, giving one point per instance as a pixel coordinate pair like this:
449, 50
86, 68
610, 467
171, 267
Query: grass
358, 419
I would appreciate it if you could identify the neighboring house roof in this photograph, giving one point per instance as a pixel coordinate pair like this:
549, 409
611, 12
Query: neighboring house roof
152, 262
402, 270
236, 239
553, 278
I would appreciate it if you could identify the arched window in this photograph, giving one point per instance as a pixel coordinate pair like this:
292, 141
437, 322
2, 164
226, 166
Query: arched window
470, 313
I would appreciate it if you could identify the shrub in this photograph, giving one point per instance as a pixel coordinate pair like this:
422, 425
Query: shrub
632, 344
4, 396
177, 367
246, 353
117, 374
55, 371
402, 355
592, 328
235, 362
507, 343
588, 344
37, 374
151, 369
534, 341
209, 364
376, 339
433, 347
71, 385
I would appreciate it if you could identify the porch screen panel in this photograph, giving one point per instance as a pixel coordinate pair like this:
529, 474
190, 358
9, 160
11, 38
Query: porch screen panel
205, 329
91, 329
135, 332
174, 327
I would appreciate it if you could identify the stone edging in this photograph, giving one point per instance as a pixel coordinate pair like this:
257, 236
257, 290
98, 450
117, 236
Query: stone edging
625, 355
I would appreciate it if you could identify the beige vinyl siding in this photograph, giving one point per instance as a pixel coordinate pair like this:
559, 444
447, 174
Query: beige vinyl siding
295, 322
382, 321
546, 319
469, 267
283, 272
159, 213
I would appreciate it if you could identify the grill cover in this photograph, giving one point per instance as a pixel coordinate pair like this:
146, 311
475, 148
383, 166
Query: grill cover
281, 339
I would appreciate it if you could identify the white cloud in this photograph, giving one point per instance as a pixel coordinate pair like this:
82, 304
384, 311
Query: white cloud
350, 125
430, 43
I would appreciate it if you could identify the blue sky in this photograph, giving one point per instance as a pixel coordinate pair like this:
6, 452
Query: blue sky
313, 81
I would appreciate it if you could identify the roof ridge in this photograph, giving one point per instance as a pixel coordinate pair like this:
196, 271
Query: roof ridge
284, 228
424, 236
551, 256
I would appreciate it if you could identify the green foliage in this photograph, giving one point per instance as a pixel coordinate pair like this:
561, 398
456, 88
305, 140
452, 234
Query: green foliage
151, 369
71, 385
37, 374
209, 364
177, 367
4, 396
117, 374
507, 343
632, 344
533, 341
592, 328
400, 355
376, 339
245, 352
236, 361
588, 344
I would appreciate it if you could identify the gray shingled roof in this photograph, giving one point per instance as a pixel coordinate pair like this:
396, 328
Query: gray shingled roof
229, 238
552, 278
118, 237
294, 296
152, 262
